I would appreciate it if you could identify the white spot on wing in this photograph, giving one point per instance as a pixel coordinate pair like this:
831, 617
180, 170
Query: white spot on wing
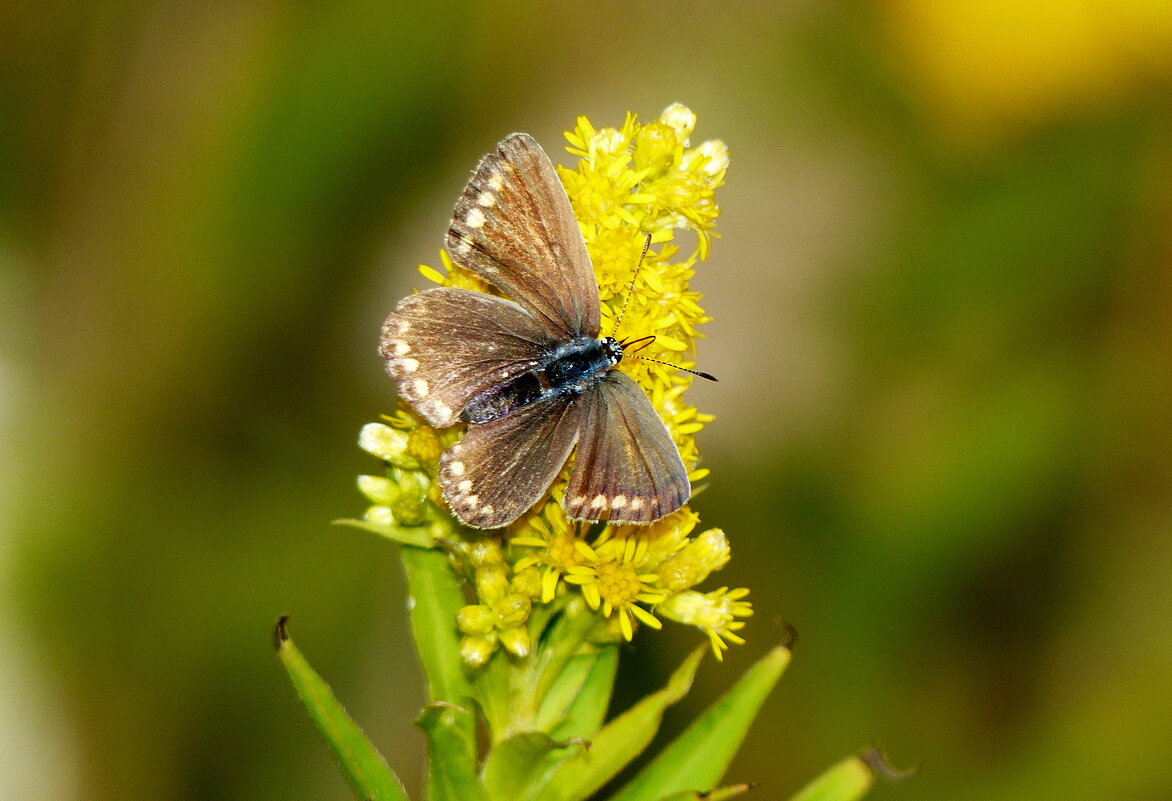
400, 347
598, 501
410, 365
464, 486
636, 504
457, 468
421, 387
496, 181
619, 501
486, 199
474, 218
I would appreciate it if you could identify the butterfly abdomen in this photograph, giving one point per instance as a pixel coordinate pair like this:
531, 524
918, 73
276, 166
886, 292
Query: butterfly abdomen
570, 369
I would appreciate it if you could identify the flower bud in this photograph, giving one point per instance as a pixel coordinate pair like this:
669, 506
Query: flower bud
378, 489
388, 444
492, 583
512, 610
679, 117
476, 620
516, 641
475, 651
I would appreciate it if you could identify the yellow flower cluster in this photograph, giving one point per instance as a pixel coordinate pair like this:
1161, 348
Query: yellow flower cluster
635, 180
633, 572
506, 597
631, 181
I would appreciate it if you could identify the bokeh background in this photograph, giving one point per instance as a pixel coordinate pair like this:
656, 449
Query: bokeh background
943, 318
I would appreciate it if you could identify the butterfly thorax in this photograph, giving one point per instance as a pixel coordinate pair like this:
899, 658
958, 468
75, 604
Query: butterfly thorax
569, 369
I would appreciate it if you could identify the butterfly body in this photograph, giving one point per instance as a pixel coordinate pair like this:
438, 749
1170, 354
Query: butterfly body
571, 369
528, 373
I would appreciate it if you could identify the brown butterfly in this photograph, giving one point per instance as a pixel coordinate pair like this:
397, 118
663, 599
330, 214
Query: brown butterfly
529, 374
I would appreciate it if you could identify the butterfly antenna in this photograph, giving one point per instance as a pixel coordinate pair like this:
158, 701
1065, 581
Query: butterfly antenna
708, 376
642, 342
631, 287
647, 340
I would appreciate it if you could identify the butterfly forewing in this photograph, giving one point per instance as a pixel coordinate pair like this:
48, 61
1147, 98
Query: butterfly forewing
503, 467
515, 228
627, 469
445, 346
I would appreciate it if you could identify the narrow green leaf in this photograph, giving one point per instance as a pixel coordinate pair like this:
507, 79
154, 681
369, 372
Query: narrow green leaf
419, 536
363, 766
622, 739
498, 689
561, 694
698, 757
570, 631
587, 711
851, 778
451, 756
515, 695
434, 599
847, 780
719, 794
516, 769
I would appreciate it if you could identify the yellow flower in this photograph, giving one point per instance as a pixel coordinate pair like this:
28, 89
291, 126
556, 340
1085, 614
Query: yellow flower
715, 613
610, 581
665, 537
558, 546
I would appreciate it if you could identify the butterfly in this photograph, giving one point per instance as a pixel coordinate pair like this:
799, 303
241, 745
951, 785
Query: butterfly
528, 372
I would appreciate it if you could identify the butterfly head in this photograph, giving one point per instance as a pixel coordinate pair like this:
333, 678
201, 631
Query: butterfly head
612, 349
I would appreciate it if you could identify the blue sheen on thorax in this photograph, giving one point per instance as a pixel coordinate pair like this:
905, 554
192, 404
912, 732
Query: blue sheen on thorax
569, 369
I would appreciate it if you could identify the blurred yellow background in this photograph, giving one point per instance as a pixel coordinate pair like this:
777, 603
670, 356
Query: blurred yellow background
943, 318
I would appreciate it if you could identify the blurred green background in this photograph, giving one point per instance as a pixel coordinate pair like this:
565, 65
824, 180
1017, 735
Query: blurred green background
943, 319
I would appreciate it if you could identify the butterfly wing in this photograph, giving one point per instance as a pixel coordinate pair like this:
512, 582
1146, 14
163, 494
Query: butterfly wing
503, 467
445, 346
514, 227
627, 469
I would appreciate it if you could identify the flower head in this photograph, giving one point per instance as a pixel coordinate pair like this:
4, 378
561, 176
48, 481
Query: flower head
611, 581
715, 613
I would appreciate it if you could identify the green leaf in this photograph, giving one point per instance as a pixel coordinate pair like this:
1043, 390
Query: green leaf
719, 794
451, 756
515, 694
363, 766
560, 696
586, 712
622, 739
517, 768
418, 536
434, 599
698, 757
848, 780
570, 631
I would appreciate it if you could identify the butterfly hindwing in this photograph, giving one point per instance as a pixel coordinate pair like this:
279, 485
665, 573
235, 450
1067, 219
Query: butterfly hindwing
514, 227
445, 346
627, 469
503, 467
